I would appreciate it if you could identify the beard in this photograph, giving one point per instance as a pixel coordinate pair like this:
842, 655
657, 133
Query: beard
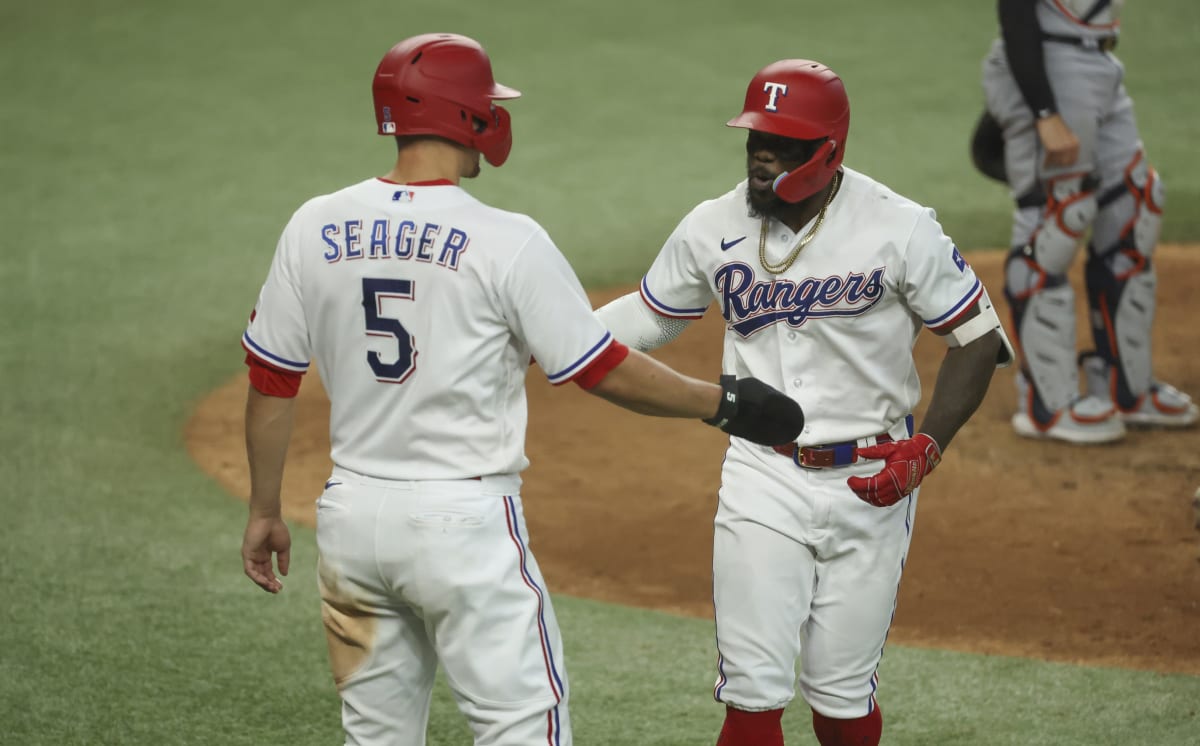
765, 203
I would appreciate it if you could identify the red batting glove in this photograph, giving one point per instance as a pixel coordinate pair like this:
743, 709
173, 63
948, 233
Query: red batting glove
907, 463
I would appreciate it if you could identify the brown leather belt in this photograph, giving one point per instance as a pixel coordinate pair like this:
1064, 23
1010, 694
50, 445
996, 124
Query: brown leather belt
828, 455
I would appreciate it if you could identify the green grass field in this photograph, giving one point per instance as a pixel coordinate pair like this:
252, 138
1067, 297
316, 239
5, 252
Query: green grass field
154, 150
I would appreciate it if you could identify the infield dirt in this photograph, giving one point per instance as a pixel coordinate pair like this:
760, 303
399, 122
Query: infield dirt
1020, 547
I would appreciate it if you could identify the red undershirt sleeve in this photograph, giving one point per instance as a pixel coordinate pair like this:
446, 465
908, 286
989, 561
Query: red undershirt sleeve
601, 366
272, 381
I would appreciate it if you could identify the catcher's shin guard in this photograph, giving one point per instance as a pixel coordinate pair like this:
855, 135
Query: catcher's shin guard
1130, 212
1043, 315
1048, 401
1121, 281
1043, 318
1121, 295
1069, 208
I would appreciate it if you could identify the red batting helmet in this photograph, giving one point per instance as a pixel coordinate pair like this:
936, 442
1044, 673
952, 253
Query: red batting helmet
803, 100
442, 84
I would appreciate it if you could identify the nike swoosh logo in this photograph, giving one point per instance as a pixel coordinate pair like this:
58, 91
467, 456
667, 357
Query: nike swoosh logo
727, 245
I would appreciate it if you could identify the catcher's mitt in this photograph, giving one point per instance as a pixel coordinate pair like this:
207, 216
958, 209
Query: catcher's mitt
987, 147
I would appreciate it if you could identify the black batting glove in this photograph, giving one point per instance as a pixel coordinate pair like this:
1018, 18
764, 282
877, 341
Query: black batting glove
755, 411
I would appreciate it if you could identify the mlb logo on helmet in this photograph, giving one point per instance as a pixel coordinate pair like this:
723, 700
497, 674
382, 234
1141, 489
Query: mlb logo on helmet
387, 125
389, 128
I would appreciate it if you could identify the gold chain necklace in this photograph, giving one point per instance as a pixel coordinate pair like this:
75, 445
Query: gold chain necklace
783, 266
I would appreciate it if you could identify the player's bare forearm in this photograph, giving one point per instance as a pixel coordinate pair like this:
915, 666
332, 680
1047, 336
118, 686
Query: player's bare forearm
962, 382
268, 429
644, 385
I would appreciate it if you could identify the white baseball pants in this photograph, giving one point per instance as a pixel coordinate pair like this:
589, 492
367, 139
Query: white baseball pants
414, 574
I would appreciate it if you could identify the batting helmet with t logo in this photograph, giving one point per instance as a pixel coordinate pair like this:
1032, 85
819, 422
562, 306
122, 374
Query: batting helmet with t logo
803, 100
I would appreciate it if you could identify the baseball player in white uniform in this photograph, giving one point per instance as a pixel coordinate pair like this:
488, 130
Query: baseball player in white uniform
1074, 160
824, 278
422, 309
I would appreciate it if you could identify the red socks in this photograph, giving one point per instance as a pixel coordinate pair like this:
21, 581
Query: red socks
744, 728
863, 731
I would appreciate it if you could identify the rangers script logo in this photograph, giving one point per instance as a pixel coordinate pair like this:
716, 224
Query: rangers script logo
750, 306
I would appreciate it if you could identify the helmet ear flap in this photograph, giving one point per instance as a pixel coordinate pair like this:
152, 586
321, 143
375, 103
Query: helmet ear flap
833, 152
495, 142
804, 181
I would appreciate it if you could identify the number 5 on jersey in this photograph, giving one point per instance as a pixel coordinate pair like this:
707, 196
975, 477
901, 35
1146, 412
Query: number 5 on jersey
375, 292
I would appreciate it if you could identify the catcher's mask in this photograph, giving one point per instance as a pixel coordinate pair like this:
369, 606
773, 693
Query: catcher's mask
803, 100
442, 85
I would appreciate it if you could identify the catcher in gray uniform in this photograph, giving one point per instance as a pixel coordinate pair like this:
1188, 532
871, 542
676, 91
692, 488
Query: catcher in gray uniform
1074, 160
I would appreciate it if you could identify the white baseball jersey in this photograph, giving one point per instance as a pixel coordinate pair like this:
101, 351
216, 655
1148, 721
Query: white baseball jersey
834, 331
422, 307
1082, 18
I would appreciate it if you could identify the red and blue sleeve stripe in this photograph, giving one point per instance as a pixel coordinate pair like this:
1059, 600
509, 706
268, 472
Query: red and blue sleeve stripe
592, 375
274, 361
958, 309
577, 367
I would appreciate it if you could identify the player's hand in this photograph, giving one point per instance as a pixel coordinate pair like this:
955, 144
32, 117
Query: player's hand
906, 464
1059, 142
264, 537
756, 411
